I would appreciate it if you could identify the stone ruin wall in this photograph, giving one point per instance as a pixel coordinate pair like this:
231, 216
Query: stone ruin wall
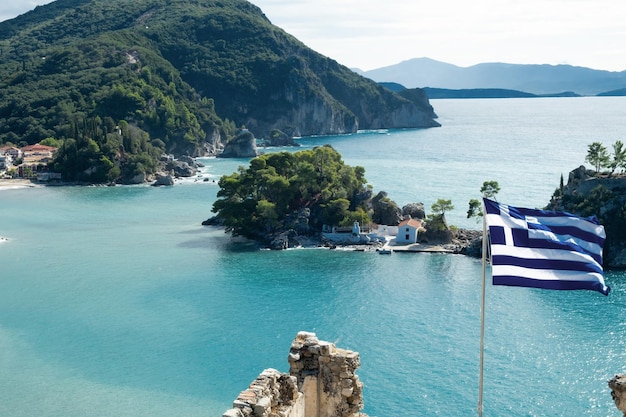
321, 383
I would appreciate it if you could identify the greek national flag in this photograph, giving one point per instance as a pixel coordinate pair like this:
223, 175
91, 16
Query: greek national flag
545, 249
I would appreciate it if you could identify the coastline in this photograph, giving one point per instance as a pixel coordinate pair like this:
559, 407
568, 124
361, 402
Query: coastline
388, 244
12, 184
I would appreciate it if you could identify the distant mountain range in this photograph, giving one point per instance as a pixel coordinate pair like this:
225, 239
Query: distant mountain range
534, 79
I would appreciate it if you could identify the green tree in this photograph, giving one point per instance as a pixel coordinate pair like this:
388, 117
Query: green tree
598, 156
51, 142
437, 219
270, 194
475, 208
490, 189
441, 206
619, 157
335, 211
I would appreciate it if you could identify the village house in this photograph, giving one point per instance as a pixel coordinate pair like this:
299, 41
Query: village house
35, 158
408, 231
13, 152
26, 162
8, 155
38, 153
5, 162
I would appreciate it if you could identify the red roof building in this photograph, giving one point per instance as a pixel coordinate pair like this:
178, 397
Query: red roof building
408, 231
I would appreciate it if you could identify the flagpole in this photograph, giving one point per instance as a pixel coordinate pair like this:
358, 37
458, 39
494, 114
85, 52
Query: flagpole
482, 317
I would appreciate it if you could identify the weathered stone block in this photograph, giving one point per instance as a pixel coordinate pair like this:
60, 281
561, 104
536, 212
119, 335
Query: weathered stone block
326, 348
233, 412
618, 392
262, 407
321, 383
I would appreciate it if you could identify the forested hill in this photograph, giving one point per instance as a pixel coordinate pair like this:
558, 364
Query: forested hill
181, 72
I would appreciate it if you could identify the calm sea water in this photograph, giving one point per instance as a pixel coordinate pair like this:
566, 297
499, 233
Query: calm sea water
116, 302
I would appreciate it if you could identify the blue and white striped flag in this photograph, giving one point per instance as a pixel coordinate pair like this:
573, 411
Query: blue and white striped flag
545, 249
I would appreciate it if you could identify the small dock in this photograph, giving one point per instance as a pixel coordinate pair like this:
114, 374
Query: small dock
416, 248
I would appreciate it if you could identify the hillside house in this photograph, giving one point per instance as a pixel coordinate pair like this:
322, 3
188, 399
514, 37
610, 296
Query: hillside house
38, 153
408, 231
13, 152
5, 162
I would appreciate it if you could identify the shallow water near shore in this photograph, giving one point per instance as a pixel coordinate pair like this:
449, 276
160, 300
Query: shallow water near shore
114, 301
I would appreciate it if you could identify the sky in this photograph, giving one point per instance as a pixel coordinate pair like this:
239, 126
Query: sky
370, 34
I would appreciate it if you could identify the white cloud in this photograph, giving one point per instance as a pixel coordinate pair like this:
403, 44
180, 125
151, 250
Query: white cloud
371, 34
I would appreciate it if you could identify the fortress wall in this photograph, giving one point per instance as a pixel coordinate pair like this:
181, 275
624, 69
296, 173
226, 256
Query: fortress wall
321, 383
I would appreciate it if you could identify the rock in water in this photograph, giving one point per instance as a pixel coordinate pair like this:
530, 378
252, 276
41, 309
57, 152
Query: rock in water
242, 146
163, 180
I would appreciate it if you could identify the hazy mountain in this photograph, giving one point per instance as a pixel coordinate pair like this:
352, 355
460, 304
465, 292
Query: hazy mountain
535, 79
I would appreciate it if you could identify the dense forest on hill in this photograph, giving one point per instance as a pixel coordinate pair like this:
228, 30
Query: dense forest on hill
181, 74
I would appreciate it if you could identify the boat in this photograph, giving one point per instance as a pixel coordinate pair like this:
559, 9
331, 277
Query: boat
385, 251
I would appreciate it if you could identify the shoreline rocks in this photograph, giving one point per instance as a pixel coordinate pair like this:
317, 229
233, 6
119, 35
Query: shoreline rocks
241, 146
588, 193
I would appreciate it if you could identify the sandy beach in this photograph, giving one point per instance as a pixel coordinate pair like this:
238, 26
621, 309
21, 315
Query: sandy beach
10, 184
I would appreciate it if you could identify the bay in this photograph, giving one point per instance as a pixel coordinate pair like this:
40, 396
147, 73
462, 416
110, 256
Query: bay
115, 301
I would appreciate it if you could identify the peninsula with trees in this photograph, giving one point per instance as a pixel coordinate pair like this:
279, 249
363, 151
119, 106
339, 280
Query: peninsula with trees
287, 199
114, 85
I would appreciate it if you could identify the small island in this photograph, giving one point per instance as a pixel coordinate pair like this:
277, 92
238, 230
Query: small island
312, 198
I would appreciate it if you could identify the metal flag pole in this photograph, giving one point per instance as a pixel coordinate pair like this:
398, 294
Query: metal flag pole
482, 317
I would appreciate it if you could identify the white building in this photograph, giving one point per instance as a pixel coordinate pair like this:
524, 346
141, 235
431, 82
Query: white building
14, 153
5, 162
408, 231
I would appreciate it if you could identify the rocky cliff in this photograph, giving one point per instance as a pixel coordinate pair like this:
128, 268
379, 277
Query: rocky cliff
314, 95
183, 75
588, 194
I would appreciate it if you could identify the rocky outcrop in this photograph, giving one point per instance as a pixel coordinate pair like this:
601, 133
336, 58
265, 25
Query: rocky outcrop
618, 392
414, 211
181, 169
212, 146
241, 146
466, 242
280, 138
583, 181
213, 221
386, 211
604, 196
322, 382
163, 179
285, 240
138, 178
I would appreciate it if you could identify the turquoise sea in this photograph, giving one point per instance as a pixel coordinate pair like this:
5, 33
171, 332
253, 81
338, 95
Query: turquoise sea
117, 302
